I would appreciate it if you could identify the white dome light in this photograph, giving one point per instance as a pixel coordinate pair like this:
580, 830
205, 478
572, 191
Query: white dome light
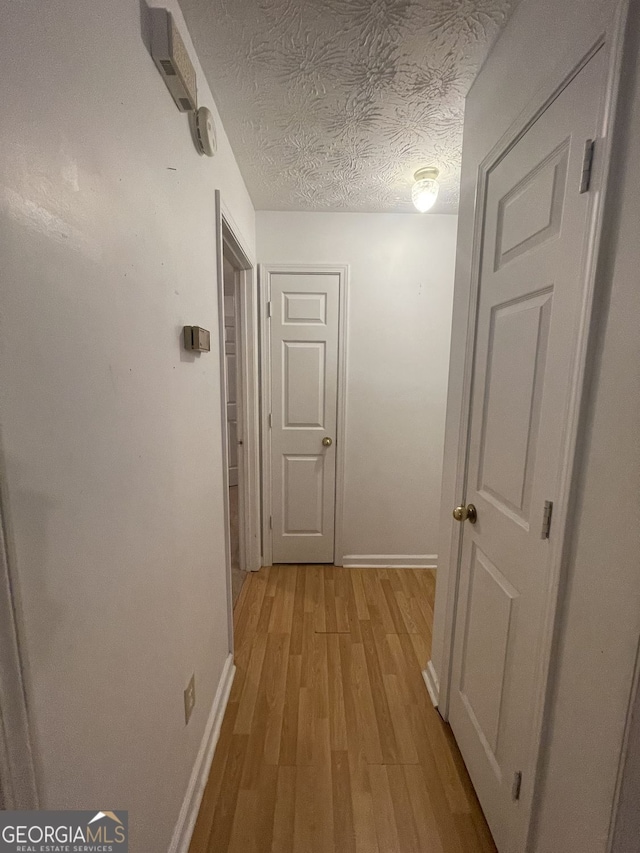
425, 189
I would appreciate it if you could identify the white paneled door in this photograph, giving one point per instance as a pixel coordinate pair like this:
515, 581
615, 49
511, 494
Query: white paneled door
304, 384
530, 296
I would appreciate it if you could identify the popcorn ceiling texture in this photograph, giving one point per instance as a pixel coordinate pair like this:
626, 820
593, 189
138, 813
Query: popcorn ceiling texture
333, 104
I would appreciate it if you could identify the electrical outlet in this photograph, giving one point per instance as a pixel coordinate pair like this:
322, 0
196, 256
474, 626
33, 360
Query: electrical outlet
189, 698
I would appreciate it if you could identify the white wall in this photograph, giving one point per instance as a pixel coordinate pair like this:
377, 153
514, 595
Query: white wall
600, 618
111, 447
401, 280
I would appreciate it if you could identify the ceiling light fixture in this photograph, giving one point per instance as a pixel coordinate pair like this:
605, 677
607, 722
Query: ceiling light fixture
425, 189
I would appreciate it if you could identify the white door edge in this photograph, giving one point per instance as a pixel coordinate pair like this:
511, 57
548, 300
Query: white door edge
264, 289
17, 772
612, 41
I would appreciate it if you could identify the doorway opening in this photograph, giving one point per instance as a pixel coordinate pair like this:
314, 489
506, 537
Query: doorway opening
233, 377
238, 335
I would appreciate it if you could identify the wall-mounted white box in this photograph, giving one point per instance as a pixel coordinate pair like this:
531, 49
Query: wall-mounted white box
172, 60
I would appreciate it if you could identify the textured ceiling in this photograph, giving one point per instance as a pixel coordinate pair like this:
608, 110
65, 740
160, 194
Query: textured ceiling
333, 104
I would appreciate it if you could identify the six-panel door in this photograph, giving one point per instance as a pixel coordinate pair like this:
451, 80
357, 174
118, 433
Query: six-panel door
530, 296
304, 379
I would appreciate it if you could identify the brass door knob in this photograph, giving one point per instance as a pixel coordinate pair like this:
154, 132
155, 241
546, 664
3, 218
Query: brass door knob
326, 441
466, 513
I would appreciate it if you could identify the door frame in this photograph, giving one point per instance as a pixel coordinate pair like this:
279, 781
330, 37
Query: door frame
265, 271
228, 238
18, 787
610, 40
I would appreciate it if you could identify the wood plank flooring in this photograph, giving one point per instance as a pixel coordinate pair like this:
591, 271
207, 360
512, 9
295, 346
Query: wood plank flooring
330, 743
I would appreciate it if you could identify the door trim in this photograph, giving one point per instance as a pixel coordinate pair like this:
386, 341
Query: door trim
265, 271
611, 40
228, 236
249, 397
18, 787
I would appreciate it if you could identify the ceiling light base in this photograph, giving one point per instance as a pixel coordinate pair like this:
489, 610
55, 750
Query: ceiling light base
426, 174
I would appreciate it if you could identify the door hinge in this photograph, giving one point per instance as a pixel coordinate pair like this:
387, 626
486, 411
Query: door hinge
517, 785
270, 421
269, 308
546, 520
587, 165
270, 523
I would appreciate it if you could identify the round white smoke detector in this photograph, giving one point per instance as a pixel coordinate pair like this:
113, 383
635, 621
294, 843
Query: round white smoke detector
205, 131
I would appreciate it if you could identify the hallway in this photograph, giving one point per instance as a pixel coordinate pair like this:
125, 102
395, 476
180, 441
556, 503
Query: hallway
330, 743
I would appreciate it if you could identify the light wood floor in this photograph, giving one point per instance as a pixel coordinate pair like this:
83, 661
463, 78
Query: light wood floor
330, 743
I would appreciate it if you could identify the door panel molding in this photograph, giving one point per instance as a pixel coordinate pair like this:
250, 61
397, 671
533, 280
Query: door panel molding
610, 41
513, 494
489, 621
298, 521
546, 223
310, 312
298, 359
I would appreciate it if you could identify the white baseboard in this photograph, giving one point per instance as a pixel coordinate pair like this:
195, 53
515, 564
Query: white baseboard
193, 797
390, 561
433, 685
